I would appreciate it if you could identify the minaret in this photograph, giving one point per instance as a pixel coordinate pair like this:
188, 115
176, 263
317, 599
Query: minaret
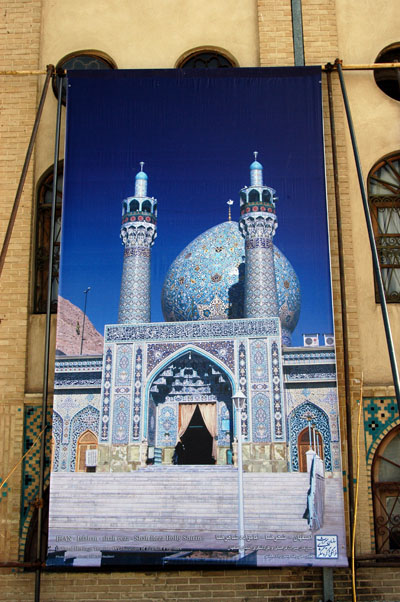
138, 231
257, 224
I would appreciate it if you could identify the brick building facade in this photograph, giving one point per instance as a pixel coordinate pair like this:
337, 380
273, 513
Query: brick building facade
38, 32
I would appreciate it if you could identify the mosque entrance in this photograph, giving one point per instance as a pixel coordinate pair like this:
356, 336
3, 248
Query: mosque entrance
197, 442
190, 412
307, 440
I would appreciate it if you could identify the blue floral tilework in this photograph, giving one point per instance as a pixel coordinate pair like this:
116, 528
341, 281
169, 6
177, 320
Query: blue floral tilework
206, 280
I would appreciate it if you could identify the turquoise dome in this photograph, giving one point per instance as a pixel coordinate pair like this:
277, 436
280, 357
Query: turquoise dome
206, 281
141, 175
256, 165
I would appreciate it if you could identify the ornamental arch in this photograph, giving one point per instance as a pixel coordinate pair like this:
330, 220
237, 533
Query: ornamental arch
299, 420
186, 383
386, 493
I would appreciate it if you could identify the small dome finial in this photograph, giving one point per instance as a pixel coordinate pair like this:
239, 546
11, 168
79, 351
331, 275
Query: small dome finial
256, 169
141, 182
229, 203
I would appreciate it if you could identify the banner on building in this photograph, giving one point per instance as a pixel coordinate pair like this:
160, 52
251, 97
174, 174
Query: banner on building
195, 407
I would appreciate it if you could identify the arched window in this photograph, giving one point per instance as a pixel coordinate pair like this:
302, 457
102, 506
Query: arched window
254, 196
266, 196
83, 60
386, 493
388, 80
146, 206
384, 202
134, 206
43, 224
87, 441
206, 58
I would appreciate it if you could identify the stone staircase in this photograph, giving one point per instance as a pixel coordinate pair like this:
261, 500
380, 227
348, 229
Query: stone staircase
184, 499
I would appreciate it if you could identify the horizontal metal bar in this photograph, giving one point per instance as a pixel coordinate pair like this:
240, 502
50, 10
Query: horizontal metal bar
328, 67
366, 67
24, 72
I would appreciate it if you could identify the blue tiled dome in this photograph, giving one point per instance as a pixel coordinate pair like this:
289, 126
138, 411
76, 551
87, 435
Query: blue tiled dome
256, 165
141, 175
206, 280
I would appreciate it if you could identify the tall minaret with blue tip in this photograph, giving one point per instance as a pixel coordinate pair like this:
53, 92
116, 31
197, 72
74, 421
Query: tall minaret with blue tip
138, 232
257, 224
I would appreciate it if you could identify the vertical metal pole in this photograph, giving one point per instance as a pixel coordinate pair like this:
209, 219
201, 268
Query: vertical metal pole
297, 29
84, 317
14, 211
240, 483
343, 301
327, 578
47, 343
371, 236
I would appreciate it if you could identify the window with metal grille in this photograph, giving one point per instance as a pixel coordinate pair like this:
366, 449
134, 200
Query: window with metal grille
384, 202
386, 493
43, 224
83, 60
206, 58
388, 80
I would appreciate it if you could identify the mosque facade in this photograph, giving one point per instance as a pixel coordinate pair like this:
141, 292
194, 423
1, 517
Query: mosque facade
231, 301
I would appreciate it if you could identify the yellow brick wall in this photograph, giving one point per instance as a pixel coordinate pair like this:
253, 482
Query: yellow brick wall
275, 33
269, 585
320, 31
19, 49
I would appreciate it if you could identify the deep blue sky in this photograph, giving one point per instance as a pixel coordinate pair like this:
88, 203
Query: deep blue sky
196, 132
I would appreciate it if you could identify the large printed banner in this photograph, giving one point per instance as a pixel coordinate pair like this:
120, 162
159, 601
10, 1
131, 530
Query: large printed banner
195, 409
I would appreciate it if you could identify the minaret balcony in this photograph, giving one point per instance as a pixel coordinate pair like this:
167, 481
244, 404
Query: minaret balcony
257, 208
133, 205
257, 194
139, 216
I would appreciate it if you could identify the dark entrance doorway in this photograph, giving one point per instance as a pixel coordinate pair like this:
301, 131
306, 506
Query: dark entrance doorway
304, 444
197, 442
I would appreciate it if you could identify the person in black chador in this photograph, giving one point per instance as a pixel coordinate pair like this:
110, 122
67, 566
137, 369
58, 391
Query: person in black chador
179, 452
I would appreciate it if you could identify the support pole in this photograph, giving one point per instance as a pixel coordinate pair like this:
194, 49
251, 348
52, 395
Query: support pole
375, 259
327, 579
297, 29
84, 317
14, 211
343, 300
239, 400
240, 483
47, 342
